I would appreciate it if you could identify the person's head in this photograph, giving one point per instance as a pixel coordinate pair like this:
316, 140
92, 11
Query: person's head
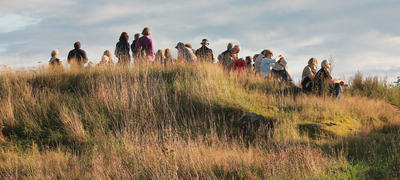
160, 52
326, 64
124, 36
268, 53
188, 45
77, 45
236, 49
230, 46
248, 59
146, 31
107, 53
205, 42
54, 53
168, 52
137, 36
180, 45
313, 62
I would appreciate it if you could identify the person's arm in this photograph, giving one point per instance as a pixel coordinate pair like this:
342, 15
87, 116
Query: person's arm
152, 47
69, 57
85, 58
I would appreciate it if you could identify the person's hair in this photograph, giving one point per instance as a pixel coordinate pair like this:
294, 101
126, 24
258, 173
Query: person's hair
107, 53
267, 51
324, 63
188, 45
168, 52
230, 46
54, 53
248, 58
236, 48
77, 45
146, 31
124, 36
137, 36
313, 61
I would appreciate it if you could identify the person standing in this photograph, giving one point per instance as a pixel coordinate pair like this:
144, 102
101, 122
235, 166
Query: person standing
205, 54
144, 45
135, 54
77, 57
122, 50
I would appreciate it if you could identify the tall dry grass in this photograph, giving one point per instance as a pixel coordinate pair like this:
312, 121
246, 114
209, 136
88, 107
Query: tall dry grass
178, 122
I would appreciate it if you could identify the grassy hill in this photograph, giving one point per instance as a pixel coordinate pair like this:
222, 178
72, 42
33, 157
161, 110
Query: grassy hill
180, 122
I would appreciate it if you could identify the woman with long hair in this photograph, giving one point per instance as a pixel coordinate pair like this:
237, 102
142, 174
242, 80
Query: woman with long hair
122, 49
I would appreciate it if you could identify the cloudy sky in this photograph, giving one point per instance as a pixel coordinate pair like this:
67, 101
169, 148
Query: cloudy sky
359, 35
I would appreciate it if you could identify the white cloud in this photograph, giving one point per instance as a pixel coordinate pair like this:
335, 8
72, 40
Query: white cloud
14, 22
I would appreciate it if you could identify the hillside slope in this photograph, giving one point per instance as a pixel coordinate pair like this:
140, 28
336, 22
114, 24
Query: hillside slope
151, 122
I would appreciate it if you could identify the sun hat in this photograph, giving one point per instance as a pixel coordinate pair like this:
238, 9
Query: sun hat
204, 41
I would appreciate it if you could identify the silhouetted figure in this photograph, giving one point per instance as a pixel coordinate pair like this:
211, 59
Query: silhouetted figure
135, 53
204, 53
54, 62
77, 57
144, 45
122, 50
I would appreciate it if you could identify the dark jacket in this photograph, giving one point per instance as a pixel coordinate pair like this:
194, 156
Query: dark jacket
77, 57
122, 52
205, 54
322, 81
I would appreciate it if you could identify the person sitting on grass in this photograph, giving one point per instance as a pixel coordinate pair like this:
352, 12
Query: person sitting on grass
159, 57
168, 60
54, 61
280, 70
308, 75
324, 83
106, 60
249, 64
228, 57
185, 54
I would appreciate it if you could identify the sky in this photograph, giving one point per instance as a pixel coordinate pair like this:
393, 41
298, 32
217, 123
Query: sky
357, 35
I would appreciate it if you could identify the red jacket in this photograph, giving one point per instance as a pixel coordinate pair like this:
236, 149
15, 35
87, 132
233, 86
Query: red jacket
239, 65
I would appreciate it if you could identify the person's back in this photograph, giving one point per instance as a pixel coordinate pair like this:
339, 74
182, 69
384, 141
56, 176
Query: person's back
322, 80
144, 45
204, 53
77, 57
257, 63
54, 62
122, 49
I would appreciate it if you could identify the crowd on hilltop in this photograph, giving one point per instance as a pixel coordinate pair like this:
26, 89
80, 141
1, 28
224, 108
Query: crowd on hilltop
264, 64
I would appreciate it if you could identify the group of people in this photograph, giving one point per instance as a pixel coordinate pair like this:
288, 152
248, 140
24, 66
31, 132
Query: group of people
264, 64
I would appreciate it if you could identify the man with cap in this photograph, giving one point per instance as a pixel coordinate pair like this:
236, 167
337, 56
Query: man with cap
204, 53
185, 54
